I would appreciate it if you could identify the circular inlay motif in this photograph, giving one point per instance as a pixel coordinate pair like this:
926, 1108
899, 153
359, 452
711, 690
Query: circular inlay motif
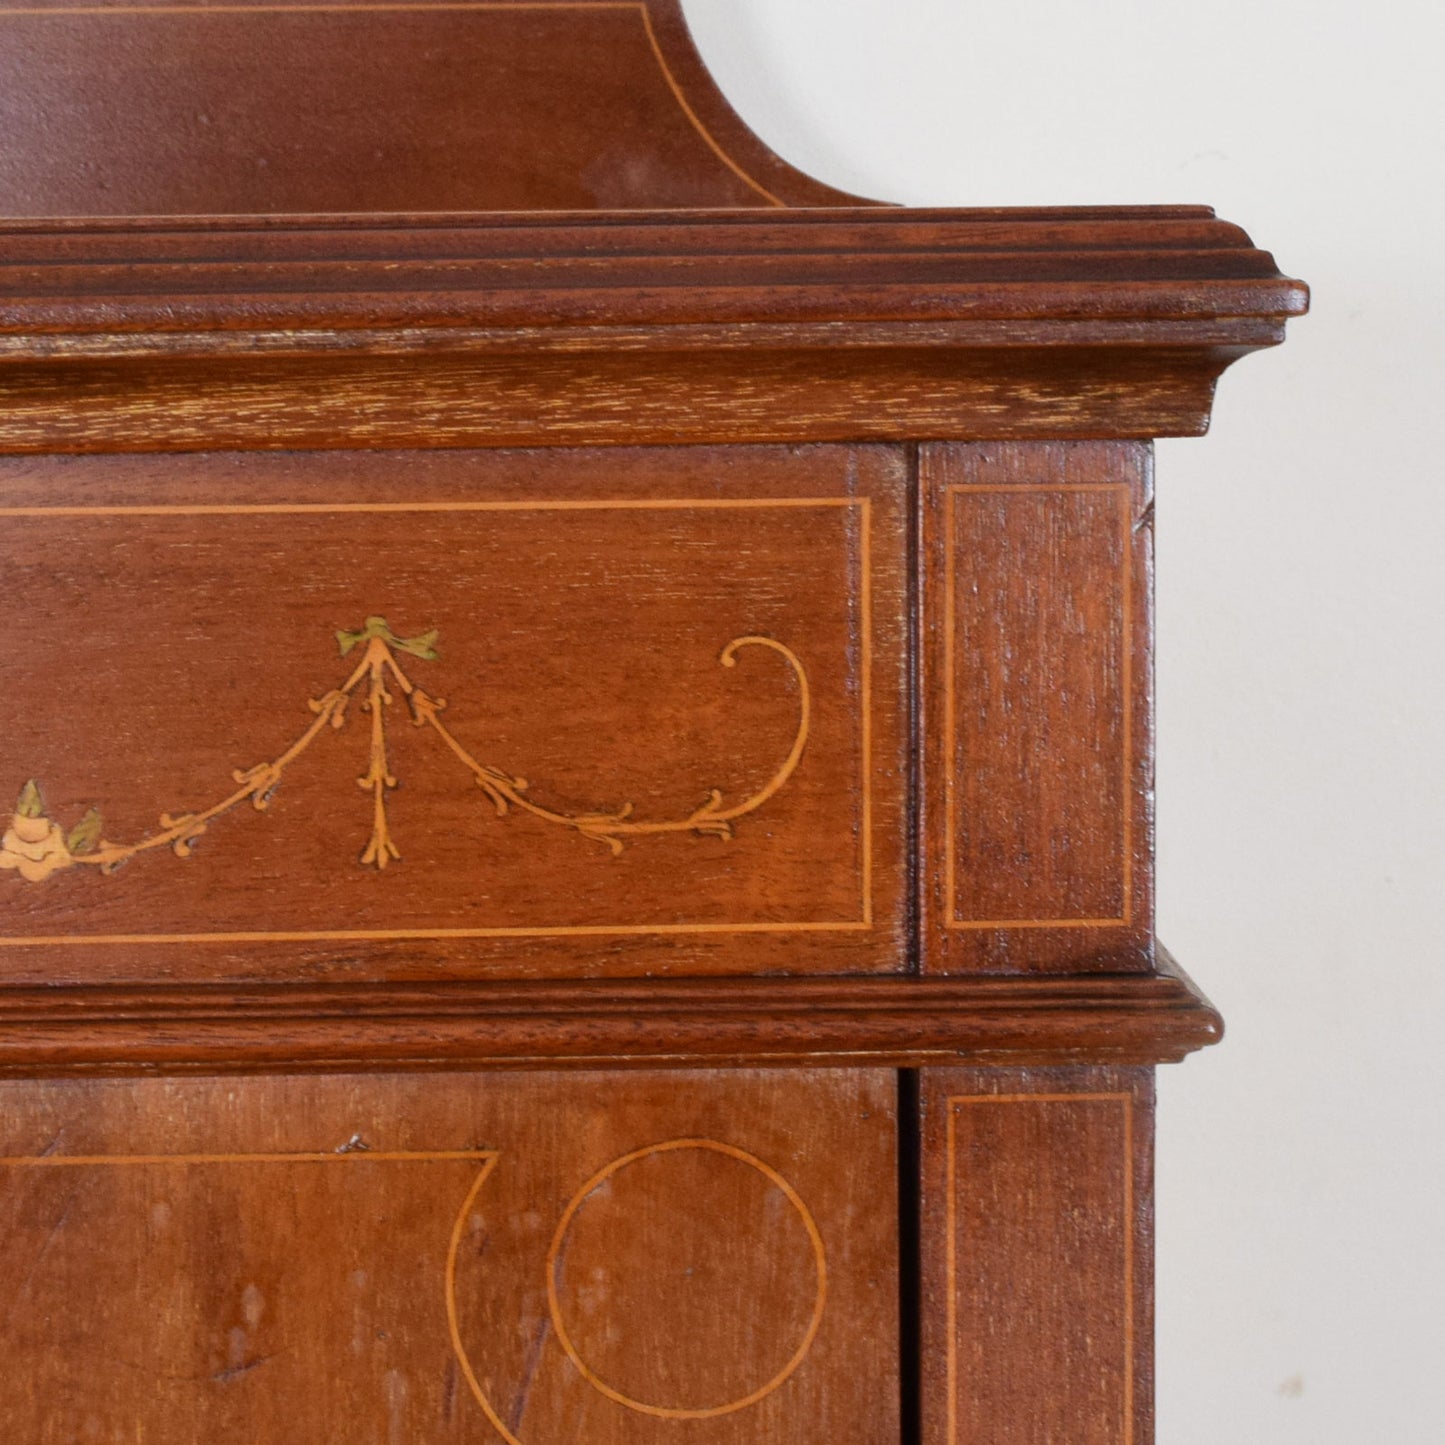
702, 1228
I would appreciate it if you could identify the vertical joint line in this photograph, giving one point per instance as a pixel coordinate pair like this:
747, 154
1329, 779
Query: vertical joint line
910, 1258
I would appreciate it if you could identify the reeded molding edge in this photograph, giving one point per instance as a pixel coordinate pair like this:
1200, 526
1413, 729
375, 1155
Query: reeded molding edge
894, 1021
624, 328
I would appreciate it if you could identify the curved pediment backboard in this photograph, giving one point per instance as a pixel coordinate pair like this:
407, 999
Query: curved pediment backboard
141, 109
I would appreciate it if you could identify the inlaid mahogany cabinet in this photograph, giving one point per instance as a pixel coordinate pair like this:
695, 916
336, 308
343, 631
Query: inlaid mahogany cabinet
578, 713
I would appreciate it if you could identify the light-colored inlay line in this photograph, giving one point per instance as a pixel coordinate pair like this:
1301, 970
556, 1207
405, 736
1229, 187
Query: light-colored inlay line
344, 1156
951, 1244
864, 923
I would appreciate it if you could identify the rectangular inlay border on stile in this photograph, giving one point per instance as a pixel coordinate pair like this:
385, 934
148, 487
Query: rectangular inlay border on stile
590, 930
951, 1244
1126, 688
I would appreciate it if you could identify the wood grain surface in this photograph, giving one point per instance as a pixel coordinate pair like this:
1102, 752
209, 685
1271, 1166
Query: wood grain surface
176, 109
713, 640
1038, 679
597, 1258
568, 330
1037, 1247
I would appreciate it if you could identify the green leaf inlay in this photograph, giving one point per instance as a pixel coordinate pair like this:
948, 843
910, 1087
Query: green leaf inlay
424, 646
86, 833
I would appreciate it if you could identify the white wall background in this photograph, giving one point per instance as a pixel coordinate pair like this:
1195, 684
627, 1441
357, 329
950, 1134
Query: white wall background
1301, 787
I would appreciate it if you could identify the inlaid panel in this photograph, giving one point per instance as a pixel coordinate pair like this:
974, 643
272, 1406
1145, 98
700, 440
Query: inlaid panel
598, 1259
1037, 685
1037, 1233
365, 715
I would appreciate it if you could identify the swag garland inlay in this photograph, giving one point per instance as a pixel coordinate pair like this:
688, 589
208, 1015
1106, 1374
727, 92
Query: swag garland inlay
37, 846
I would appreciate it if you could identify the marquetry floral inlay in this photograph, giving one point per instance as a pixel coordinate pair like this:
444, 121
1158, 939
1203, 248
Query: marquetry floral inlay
36, 846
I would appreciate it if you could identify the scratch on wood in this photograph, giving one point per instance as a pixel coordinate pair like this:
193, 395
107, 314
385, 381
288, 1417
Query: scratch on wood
234, 1372
529, 1373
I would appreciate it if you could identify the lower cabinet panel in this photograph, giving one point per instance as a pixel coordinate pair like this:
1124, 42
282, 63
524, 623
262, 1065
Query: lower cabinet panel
537, 1259
1037, 1274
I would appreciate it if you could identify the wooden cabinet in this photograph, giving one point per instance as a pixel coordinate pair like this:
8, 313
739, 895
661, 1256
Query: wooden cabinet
579, 714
